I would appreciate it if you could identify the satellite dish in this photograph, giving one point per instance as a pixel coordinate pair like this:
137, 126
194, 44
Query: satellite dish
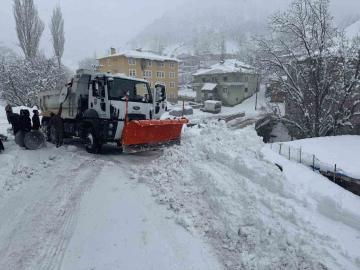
63, 95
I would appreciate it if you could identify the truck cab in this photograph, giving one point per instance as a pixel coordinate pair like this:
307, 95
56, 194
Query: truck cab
95, 105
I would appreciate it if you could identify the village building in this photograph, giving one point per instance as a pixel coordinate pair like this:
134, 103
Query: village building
156, 69
230, 81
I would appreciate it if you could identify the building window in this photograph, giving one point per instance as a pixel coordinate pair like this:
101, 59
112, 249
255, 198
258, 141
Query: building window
226, 90
160, 74
246, 90
225, 78
108, 62
172, 85
203, 79
172, 65
160, 64
148, 63
132, 61
172, 74
132, 72
147, 73
213, 79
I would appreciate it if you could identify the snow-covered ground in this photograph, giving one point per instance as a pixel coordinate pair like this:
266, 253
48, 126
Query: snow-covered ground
216, 201
66, 208
247, 106
340, 150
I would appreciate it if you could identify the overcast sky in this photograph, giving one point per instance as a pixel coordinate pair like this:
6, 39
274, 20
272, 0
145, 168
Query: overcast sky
92, 26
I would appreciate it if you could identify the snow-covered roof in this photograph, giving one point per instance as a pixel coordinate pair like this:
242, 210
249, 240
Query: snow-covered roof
228, 66
212, 102
209, 86
353, 30
142, 55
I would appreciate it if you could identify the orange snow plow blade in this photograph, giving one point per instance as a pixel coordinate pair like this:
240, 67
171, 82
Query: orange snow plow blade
142, 135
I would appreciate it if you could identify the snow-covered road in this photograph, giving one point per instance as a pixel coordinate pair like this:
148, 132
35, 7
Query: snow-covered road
216, 201
53, 198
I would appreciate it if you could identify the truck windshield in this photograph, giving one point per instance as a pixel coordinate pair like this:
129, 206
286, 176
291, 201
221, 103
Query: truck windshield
138, 91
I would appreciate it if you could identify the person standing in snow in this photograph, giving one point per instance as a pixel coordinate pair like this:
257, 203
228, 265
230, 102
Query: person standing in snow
36, 120
14, 120
25, 121
1, 146
57, 122
9, 111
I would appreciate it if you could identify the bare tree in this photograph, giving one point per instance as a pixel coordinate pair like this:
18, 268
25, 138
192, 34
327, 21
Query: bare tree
57, 33
29, 27
319, 74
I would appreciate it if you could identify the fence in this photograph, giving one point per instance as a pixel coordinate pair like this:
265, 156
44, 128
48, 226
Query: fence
332, 172
297, 155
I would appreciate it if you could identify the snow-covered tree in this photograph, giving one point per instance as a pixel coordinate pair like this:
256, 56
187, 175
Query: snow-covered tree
29, 27
57, 34
21, 79
318, 70
89, 63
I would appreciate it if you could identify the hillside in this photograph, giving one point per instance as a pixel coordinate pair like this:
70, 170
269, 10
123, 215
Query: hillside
200, 27
353, 30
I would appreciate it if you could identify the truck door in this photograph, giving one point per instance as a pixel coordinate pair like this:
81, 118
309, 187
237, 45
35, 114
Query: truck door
159, 101
98, 98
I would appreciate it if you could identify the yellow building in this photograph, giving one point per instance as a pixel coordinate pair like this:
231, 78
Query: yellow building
144, 65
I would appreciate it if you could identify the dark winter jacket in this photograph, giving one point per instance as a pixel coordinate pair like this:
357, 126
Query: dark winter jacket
14, 120
8, 110
36, 122
1, 146
25, 121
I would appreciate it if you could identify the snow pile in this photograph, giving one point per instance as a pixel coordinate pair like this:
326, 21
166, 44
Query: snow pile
218, 185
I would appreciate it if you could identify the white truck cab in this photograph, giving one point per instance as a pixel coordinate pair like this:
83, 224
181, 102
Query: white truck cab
94, 106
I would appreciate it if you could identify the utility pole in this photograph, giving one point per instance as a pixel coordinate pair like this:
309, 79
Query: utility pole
256, 97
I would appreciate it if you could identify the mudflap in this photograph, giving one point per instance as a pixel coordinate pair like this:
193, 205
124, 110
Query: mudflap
145, 135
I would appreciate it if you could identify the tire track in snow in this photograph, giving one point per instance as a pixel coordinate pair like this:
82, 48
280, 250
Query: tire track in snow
41, 230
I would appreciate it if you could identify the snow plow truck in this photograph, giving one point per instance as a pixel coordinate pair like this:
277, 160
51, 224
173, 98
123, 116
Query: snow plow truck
102, 108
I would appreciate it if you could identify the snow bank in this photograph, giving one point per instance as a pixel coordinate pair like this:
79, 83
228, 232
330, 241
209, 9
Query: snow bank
340, 150
218, 185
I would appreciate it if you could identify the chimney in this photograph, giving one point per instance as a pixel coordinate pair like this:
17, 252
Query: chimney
112, 51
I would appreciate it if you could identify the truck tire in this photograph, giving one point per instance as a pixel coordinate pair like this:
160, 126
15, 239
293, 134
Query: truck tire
92, 143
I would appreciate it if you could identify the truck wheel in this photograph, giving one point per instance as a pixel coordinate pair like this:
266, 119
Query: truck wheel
92, 144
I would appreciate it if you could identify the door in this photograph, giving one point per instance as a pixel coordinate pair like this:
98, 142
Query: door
98, 98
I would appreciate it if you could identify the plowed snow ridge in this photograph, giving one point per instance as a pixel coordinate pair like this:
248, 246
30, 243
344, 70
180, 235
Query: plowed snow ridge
218, 184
